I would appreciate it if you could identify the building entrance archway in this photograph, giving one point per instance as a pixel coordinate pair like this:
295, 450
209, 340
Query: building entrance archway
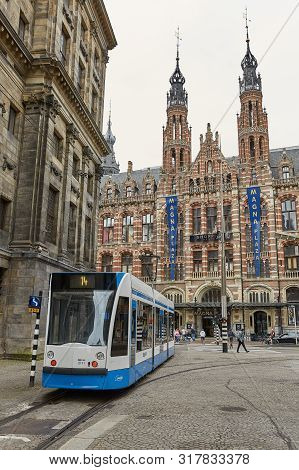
260, 323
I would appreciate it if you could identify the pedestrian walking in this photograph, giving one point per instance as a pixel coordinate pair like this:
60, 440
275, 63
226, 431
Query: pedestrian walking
202, 335
272, 334
241, 340
177, 335
231, 335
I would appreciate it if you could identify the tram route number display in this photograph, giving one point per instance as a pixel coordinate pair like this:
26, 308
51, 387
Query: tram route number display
86, 281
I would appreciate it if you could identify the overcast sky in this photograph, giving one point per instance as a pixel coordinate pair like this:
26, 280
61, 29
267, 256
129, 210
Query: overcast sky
212, 47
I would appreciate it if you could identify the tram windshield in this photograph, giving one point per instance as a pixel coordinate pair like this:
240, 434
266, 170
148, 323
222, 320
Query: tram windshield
80, 317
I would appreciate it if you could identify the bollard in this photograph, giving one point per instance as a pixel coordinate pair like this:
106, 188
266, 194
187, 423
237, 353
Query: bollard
35, 337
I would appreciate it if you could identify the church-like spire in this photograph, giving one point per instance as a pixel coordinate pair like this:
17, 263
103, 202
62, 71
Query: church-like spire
177, 95
251, 80
110, 166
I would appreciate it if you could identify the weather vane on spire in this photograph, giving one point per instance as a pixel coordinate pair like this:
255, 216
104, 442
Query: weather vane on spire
177, 35
245, 15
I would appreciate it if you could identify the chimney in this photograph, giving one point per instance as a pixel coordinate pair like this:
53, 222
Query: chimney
130, 167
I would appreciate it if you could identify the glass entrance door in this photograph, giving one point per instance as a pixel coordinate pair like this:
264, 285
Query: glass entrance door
260, 323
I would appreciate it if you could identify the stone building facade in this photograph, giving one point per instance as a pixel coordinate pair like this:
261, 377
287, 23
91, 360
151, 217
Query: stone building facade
133, 233
53, 57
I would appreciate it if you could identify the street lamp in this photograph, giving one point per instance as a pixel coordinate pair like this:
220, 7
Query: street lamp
223, 269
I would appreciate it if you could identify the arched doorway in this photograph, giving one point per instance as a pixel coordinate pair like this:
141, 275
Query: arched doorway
260, 323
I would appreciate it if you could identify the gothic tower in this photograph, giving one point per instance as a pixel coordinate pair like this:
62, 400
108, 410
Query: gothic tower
177, 134
252, 122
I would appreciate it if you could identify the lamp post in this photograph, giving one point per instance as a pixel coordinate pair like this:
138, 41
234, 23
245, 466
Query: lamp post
223, 269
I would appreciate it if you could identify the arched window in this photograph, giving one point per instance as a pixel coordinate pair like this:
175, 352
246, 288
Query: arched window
107, 262
212, 295
210, 167
181, 158
250, 114
109, 193
129, 191
173, 158
180, 128
251, 147
173, 128
147, 266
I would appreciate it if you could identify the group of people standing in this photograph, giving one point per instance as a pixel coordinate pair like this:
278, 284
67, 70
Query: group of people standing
190, 335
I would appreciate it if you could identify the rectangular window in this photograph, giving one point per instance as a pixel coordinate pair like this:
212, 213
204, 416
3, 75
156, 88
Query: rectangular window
94, 103
158, 322
196, 214
12, 120
289, 220
211, 219
80, 78
229, 260
107, 262
87, 238
144, 326
57, 146
4, 213
52, 213
147, 227
197, 261
227, 212
120, 337
76, 166
108, 229
71, 242
291, 256
127, 263
213, 261
22, 27
147, 266
128, 229
63, 47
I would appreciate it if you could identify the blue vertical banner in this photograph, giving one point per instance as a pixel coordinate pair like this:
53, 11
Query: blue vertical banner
172, 222
254, 206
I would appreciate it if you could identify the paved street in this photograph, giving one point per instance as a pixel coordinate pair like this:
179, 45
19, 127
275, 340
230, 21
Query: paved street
200, 399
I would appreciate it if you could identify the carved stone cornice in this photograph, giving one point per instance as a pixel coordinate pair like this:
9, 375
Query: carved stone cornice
72, 133
42, 101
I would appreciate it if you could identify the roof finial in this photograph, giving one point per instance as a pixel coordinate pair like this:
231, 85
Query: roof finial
245, 15
177, 35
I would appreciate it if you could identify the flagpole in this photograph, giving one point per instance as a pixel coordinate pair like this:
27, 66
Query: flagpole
223, 268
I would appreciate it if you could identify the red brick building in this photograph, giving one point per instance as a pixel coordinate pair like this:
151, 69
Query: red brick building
133, 232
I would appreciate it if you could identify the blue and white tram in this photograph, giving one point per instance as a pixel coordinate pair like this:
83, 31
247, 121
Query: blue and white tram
105, 331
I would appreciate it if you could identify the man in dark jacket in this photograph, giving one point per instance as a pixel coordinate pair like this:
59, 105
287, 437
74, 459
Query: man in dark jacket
241, 338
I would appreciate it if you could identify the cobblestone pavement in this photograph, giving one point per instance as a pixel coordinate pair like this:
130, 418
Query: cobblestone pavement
204, 399
200, 399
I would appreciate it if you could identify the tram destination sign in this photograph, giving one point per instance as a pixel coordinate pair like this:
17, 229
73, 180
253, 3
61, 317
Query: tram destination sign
82, 281
210, 237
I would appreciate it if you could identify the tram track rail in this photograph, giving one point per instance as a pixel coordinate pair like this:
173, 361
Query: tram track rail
84, 417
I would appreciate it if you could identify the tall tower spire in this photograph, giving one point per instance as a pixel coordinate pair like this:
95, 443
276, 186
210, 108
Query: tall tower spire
250, 81
109, 163
177, 134
252, 122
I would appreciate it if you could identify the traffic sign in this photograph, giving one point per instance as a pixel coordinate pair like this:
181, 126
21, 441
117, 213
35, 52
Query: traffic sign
35, 302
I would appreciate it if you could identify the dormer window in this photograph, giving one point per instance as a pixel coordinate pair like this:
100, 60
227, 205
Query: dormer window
109, 193
285, 172
148, 188
129, 191
210, 167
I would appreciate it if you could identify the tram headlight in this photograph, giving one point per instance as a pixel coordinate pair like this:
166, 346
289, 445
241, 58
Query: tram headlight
94, 364
50, 354
100, 356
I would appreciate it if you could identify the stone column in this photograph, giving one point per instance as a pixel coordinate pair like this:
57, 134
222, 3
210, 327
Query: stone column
86, 156
72, 135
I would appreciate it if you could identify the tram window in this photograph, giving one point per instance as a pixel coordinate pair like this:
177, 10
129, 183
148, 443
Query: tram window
144, 327
170, 327
119, 345
159, 320
164, 328
80, 317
